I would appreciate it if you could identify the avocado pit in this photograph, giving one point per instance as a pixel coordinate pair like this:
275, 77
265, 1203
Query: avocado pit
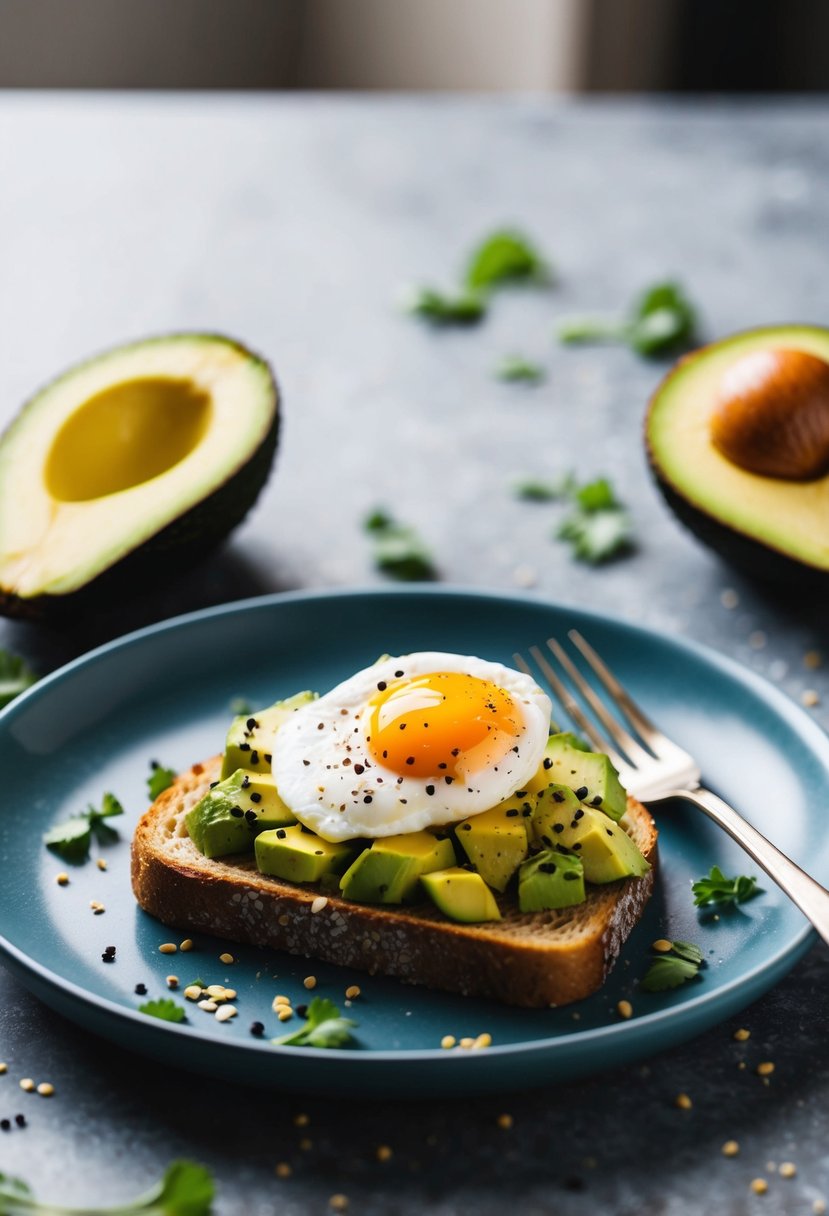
771, 415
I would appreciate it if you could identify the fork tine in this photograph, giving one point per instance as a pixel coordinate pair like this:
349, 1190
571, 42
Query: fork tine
634, 751
568, 701
650, 733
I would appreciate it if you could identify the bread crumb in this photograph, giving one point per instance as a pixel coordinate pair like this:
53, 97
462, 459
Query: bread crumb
683, 1102
283, 1170
624, 1009
759, 1186
730, 1149
788, 1169
741, 1035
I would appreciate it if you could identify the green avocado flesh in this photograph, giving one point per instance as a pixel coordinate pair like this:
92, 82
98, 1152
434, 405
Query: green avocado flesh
130, 466
756, 521
540, 844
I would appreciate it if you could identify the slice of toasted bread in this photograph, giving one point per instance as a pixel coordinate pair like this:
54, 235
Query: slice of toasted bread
531, 959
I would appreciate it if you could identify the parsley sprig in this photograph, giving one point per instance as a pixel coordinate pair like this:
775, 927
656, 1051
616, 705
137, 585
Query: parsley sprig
674, 968
662, 319
505, 256
516, 369
15, 676
165, 1008
324, 1027
446, 308
717, 888
72, 838
598, 527
397, 549
160, 779
185, 1190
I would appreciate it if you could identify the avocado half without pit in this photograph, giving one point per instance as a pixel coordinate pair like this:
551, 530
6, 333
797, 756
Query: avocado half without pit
129, 467
738, 441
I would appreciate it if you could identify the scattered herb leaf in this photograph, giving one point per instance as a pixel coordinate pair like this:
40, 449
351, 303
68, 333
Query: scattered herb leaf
598, 527
533, 489
505, 257
660, 320
15, 676
324, 1027
165, 1008
671, 970
443, 308
397, 549
160, 779
517, 369
716, 888
72, 838
185, 1190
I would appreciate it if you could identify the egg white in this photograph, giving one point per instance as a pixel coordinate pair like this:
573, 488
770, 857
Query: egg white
340, 802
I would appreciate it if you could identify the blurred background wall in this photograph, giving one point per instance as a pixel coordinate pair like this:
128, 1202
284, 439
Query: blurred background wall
556, 45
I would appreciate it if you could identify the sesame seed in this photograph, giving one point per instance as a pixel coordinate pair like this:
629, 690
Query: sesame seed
662, 945
140, 989
3, 1068
730, 1149
101, 863
172, 981
226, 1013
319, 903
208, 1006
483, 1040
759, 1186
505, 1122
62, 879
819, 1207
216, 990
168, 948
383, 1152
765, 1069
284, 1013
352, 992
310, 981
97, 908
467, 1043
624, 1009
788, 1169
230, 994
448, 1041
283, 1170
683, 1102
28, 1085
186, 945
306, 1145
338, 1203
192, 992
227, 959
20, 1120
46, 1089
810, 698
284, 920
301, 1120
741, 1035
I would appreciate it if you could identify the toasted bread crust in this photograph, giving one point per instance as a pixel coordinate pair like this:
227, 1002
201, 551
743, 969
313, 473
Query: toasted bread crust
536, 959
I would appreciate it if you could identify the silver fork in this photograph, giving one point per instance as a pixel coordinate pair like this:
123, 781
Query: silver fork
661, 769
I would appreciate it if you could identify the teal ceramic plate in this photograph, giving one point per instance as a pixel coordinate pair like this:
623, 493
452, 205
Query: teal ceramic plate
164, 693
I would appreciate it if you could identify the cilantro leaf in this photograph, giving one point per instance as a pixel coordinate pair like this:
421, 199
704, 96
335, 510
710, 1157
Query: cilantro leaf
397, 549
505, 257
443, 308
716, 888
670, 970
15, 676
165, 1008
70, 839
660, 320
597, 536
324, 1027
160, 779
517, 369
185, 1190
533, 489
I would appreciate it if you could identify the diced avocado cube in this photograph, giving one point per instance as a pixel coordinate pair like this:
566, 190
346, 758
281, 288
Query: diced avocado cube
606, 850
589, 774
295, 854
550, 880
461, 895
250, 740
229, 816
388, 872
495, 842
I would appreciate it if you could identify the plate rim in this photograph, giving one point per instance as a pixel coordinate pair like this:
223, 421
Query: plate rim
644, 1023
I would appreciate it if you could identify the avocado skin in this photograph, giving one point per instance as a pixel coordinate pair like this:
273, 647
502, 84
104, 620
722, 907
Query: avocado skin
751, 557
183, 543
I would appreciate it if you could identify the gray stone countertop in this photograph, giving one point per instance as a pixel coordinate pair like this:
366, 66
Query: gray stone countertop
293, 223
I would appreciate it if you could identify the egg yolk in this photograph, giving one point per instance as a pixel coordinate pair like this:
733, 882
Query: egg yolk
444, 724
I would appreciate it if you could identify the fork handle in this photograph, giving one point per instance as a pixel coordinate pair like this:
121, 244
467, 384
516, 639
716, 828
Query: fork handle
806, 892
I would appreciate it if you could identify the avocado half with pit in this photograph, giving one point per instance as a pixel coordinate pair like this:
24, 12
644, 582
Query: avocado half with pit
738, 441
129, 467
